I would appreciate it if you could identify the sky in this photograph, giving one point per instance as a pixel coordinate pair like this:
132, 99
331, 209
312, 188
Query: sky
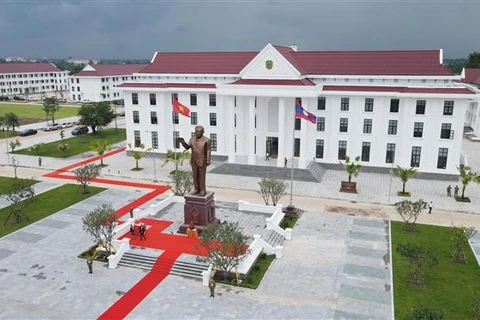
135, 29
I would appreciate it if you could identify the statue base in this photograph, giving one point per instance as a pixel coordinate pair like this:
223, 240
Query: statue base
199, 210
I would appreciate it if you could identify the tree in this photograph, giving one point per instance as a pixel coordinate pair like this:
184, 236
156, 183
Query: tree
100, 147
36, 148
63, 147
12, 120
473, 60
138, 154
14, 144
273, 189
50, 107
20, 194
94, 115
176, 158
467, 176
460, 237
404, 174
182, 182
420, 260
86, 174
3, 123
409, 211
225, 245
353, 167
100, 224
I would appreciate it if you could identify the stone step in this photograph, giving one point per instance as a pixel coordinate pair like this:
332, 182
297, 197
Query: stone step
263, 172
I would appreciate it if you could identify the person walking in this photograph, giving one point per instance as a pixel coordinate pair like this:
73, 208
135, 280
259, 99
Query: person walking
449, 191
39, 161
286, 162
211, 286
455, 192
267, 156
430, 207
90, 264
142, 230
132, 230
131, 212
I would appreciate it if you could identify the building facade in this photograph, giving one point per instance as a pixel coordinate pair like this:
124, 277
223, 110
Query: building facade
32, 80
100, 82
471, 78
388, 107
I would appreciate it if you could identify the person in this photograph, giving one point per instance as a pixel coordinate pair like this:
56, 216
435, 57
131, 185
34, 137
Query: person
132, 230
200, 159
211, 286
449, 191
90, 264
430, 207
286, 161
131, 212
142, 230
39, 161
455, 193
267, 157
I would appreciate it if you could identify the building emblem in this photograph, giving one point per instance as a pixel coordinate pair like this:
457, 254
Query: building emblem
269, 64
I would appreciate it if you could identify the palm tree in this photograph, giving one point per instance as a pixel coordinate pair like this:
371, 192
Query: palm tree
12, 120
138, 154
467, 175
404, 174
100, 147
353, 167
176, 157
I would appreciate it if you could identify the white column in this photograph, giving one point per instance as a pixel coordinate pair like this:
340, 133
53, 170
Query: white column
230, 128
303, 160
165, 117
281, 133
251, 130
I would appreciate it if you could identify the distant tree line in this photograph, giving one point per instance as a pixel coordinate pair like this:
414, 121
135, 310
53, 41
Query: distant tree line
456, 65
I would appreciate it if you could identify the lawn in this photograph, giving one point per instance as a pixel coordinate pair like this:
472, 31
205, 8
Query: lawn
45, 204
78, 144
5, 183
31, 113
9, 133
449, 286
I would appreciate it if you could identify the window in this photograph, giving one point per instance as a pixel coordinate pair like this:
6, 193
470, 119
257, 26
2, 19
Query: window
136, 137
298, 124
342, 149
136, 117
446, 132
296, 147
344, 104
234, 120
153, 117
442, 158
392, 127
366, 151
176, 143
213, 141
394, 105
343, 124
418, 129
103, 88
213, 119
321, 103
368, 104
319, 149
420, 107
175, 119
78, 80
390, 153
367, 125
212, 100
193, 99
134, 98
154, 140
448, 108
415, 161
193, 118
320, 123
153, 99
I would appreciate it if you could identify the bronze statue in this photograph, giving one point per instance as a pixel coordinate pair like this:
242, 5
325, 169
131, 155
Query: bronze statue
201, 153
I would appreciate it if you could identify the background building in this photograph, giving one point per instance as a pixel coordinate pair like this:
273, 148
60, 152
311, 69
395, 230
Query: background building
388, 107
471, 77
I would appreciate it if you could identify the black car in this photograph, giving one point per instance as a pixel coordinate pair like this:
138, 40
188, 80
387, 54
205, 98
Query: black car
79, 131
27, 132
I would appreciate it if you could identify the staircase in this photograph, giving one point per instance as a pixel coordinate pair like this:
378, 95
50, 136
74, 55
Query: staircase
316, 169
143, 262
274, 239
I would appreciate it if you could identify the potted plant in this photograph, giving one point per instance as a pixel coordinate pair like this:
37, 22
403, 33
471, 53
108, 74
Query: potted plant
353, 169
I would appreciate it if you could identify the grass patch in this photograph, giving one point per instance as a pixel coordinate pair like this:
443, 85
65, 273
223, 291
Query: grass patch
78, 144
464, 199
288, 222
101, 255
255, 276
9, 133
45, 204
31, 113
403, 194
136, 169
6, 182
449, 286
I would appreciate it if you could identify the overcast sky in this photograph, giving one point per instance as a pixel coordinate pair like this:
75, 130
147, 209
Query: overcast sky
138, 28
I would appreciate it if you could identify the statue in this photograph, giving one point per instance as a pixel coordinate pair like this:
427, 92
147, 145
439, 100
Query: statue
201, 154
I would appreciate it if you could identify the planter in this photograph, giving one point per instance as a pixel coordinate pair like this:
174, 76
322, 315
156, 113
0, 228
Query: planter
350, 187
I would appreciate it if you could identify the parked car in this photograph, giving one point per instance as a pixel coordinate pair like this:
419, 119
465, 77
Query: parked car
27, 132
53, 126
79, 131
66, 125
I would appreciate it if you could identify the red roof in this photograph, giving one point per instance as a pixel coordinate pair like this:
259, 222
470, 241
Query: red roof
105, 70
200, 62
272, 82
167, 85
472, 76
397, 89
28, 67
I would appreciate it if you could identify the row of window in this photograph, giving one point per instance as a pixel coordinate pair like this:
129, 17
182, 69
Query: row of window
176, 143
175, 118
212, 99
31, 75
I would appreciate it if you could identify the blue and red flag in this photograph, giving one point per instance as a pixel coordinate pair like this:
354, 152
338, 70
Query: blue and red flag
304, 114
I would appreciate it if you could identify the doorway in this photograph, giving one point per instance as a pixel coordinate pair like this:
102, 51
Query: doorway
272, 147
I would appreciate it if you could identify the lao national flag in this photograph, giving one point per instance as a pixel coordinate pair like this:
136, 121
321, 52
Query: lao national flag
180, 108
304, 114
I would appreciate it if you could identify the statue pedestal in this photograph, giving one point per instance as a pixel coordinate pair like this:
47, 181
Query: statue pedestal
198, 209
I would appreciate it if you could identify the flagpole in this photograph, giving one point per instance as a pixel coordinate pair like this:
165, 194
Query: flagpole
175, 142
293, 155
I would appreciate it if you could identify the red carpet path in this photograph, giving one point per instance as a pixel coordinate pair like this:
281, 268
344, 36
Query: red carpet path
173, 245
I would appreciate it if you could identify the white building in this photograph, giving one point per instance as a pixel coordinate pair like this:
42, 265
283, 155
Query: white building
389, 107
471, 78
100, 82
32, 80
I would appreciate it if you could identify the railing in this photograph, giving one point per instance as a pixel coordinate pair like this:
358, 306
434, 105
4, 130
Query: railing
274, 221
121, 246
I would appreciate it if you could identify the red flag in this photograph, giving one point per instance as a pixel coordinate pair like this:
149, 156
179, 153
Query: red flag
180, 108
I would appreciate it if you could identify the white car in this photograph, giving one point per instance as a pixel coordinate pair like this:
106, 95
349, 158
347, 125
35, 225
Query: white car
51, 127
66, 125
